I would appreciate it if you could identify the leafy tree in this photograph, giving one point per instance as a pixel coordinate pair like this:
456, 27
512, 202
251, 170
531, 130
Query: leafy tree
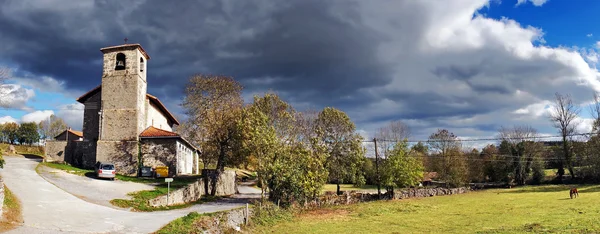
400, 169
28, 133
10, 132
214, 106
344, 146
476, 170
450, 163
521, 150
51, 127
564, 118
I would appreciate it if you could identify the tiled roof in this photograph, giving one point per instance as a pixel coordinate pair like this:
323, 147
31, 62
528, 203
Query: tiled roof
156, 132
77, 133
152, 99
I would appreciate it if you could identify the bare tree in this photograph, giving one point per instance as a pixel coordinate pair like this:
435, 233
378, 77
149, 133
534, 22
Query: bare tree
595, 112
390, 134
564, 118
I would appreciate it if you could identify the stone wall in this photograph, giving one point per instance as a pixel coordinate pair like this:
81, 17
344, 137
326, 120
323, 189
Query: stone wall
84, 154
351, 197
91, 118
124, 154
225, 221
160, 152
194, 191
55, 151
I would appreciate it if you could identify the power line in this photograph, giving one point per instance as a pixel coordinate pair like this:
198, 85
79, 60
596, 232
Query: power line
482, 139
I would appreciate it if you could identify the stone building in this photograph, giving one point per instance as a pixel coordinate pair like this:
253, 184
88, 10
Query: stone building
125, 125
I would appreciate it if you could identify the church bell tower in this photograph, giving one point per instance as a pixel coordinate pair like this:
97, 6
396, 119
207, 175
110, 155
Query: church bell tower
122, 115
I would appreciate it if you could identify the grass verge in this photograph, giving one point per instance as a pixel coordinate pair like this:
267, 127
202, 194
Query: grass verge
139, 201
11, 214
185, 224
545, 209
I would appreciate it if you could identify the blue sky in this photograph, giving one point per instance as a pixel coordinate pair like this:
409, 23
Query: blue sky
430, 64
564, 22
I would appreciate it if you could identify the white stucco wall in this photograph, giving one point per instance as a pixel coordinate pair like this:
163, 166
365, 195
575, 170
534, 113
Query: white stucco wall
185, 157
156, 118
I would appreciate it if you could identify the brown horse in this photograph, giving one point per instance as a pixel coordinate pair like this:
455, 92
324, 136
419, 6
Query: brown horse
573, 193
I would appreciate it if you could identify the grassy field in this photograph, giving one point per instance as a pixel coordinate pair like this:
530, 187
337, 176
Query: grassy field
24, 149
517, 210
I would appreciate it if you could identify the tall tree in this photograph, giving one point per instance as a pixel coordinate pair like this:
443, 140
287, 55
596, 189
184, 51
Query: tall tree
521, 150
450, 162
564, 118
400, 169
266, 126
51, 127
214, 105
10, 132
344, 146
28, 133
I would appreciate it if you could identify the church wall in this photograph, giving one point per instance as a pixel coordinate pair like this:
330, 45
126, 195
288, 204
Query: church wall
91, 118
156, 118
124, 154
160, 152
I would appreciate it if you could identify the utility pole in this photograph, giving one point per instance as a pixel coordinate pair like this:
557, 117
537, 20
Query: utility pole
377, 169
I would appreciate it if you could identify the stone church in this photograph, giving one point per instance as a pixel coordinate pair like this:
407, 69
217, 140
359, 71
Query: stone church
125, 125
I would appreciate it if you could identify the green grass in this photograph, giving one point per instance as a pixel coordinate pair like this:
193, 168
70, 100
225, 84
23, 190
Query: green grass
348, 187
24, 149
67, 168
11, 214
528, 209
139, 201
185, 224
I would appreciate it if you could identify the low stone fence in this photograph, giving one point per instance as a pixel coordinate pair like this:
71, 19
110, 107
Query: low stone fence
194, 191
351, 197
225, 221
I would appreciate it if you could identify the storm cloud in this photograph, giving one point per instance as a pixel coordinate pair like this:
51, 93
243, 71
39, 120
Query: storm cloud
429, 63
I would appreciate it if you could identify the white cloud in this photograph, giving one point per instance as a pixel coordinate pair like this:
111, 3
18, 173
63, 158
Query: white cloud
15, 96
534, 2
72, 114
36, 116
8, 119
589, 35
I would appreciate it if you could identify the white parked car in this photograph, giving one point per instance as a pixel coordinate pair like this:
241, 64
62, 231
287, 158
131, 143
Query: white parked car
106, 170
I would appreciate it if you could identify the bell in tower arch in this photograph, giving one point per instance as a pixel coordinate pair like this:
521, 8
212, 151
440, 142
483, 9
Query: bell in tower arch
120, 62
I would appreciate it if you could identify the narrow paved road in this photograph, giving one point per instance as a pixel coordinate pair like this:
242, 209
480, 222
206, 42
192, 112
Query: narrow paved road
49, 209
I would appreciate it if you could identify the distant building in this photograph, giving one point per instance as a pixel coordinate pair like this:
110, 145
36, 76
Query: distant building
123, 124
69, 135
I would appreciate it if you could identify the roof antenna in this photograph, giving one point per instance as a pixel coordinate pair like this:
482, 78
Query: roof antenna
126, 40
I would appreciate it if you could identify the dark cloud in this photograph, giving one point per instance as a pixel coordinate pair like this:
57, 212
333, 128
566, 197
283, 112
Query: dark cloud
379, 61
